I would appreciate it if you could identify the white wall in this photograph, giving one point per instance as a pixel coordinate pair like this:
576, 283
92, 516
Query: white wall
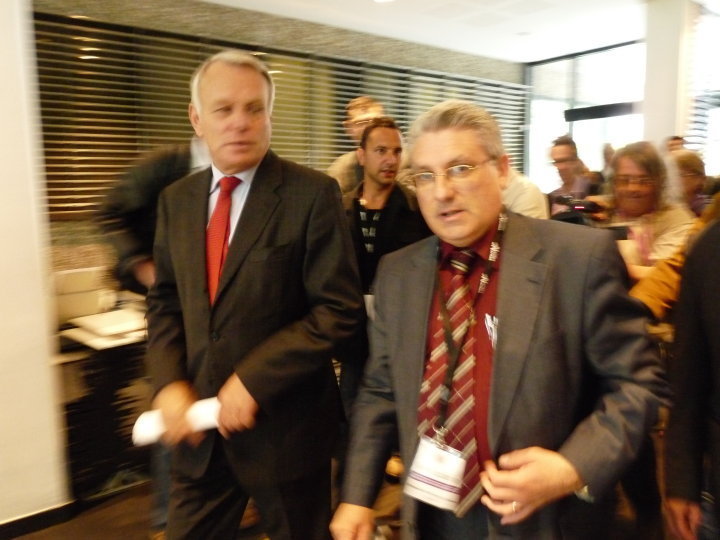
32, 462
667, 91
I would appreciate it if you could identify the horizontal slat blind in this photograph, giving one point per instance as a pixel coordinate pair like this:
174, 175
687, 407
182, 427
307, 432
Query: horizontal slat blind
110, 93
701, 135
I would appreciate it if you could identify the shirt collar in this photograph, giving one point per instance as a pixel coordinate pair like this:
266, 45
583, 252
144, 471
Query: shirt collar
247, 176
481, 247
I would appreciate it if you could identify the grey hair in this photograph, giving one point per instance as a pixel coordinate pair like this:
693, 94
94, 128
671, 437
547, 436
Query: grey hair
236, 58
461, 115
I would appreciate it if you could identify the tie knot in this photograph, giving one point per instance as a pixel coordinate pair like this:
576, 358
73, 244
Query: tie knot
228, 183
462, 260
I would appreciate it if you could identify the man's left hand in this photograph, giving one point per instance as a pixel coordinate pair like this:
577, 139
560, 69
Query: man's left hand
238, 408
527, 480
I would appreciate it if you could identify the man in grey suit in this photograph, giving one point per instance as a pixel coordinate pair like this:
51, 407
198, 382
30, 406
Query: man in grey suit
287, 298
564, 382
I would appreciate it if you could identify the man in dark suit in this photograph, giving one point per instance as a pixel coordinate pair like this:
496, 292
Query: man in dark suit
260, 336
693, 432
526, 366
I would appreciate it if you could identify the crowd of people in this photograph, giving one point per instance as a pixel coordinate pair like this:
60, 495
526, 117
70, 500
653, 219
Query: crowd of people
506, 359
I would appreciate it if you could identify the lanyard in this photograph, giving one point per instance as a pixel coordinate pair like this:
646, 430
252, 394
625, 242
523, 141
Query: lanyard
455, 347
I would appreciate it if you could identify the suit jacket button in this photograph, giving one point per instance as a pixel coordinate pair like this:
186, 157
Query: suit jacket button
215, 336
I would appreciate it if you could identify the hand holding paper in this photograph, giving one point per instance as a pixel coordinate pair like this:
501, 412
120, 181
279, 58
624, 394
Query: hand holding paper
149, 427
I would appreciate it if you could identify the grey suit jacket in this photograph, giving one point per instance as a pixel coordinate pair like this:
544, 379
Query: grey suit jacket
289, 296
574, 370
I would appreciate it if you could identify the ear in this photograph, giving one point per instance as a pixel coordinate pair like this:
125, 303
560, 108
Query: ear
195, 120
503, 165
360, 153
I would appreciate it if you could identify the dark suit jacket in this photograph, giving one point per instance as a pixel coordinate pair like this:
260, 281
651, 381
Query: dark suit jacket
694, 427
127, 216
289, 294
574, 370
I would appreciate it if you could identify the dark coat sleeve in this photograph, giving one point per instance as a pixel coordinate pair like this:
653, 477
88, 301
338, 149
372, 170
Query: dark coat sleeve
127, 215
693, 369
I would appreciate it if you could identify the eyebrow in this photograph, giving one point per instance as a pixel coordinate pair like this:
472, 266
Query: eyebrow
457, 160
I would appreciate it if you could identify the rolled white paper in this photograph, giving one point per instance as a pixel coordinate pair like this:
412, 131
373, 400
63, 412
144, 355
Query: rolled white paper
149, 426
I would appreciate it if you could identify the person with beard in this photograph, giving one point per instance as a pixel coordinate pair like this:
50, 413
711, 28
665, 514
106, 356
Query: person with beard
383, 215
358, 113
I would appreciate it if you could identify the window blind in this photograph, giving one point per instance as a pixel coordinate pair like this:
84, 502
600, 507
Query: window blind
110, 93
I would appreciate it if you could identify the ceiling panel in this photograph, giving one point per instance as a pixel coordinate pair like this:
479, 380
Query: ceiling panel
512, 30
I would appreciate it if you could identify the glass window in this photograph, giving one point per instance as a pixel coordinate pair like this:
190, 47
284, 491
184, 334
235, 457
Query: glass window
606, 77
612, 76
553, 80
591, 135
546, 123
712, 143
704, 130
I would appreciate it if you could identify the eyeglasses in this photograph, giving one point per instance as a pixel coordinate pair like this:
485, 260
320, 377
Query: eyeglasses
457, 175
627, 179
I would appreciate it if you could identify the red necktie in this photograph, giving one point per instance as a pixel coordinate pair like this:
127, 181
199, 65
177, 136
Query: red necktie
460, 423
217, 234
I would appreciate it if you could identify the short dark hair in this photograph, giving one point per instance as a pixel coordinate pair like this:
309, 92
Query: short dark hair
566, 140
377, 122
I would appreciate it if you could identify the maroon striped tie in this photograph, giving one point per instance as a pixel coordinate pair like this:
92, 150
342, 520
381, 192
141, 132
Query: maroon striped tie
460, 422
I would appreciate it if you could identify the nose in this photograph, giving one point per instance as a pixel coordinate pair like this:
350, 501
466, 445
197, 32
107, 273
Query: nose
563, 167
240, 119
443, 188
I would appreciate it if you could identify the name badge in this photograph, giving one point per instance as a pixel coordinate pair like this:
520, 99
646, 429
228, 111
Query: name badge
436, 474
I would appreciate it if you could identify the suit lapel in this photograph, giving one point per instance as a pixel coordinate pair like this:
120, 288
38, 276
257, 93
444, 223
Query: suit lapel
194, 212
259, 206
419, 281
519, 293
